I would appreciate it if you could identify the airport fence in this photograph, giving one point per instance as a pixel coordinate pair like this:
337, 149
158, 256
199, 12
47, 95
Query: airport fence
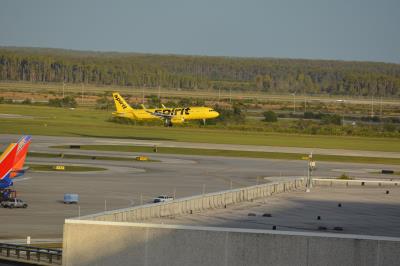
353, 183
30, 254
197, 203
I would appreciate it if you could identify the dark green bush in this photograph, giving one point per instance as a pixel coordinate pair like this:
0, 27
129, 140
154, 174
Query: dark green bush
270, 116
63, 102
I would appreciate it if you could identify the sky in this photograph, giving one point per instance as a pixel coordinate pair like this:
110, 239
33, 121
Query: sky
361, 30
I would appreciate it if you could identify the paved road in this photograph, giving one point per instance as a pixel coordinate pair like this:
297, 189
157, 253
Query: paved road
42, 142
128, 183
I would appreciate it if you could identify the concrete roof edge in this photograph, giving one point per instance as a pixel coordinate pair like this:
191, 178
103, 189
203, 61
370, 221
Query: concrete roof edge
92, 216
233, 230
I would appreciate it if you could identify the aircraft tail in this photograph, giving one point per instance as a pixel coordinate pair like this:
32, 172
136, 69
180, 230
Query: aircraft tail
22, 150
120, 104
7, 161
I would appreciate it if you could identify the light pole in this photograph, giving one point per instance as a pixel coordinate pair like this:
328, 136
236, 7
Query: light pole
294, 102
311, 167
372, 106
83, 89
343, 108
143, 93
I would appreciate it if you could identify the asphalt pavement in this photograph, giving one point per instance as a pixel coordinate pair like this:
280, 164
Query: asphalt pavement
129, 183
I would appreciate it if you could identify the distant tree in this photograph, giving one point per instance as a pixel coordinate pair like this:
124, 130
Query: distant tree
27, 101
230, 115
201, 73
199, 102
331, 119
170, 104
153, 101
104, 103
308, 115
270, 116
389, 127
63, 102
185, 102
375, 119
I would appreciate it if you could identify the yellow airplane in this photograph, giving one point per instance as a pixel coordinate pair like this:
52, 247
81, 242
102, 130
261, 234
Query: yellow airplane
169, 115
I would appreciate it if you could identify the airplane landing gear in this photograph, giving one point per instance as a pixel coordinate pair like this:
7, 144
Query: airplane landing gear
167, 123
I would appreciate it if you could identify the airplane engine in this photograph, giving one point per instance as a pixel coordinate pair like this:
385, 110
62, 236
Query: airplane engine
177, 120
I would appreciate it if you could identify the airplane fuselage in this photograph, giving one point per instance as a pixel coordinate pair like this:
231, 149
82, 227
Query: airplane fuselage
171, 116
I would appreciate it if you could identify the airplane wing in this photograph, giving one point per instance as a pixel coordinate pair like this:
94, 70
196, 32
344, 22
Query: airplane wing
20, 178
161, 115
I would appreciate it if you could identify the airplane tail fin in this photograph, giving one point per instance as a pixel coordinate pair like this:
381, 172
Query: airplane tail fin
22, 150
7, 160
120, 104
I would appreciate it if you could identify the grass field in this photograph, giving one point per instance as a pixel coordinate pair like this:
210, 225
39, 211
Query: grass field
231, 153
84, 157
67, 168
84, 122
90, 89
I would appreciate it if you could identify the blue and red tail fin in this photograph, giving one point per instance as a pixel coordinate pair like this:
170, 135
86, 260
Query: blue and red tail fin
23, 145
7, 160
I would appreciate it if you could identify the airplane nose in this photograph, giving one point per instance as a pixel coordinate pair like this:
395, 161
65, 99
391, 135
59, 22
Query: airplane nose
216, 114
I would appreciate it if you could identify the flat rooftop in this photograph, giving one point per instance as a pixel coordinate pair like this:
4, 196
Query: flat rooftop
365, 211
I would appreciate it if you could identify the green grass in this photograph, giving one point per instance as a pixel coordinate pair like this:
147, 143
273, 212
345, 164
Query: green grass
68, 168
83, 122
84, 157
345, 177
236, 153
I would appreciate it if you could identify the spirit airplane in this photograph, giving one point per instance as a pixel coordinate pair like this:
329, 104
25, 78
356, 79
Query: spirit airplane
170, 116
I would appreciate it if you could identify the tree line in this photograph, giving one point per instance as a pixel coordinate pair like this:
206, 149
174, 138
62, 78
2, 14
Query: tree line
267, 75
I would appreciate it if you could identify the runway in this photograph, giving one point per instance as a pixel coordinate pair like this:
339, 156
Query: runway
128, 183
40, 143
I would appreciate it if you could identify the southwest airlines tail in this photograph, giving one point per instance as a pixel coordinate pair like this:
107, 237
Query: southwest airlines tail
22, 150
7, 160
